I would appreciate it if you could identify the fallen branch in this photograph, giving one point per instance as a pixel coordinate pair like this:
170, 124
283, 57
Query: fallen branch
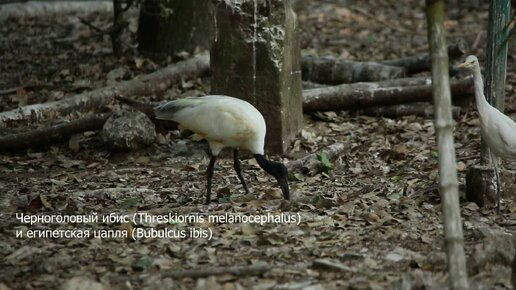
148, 107
43, 136
49, 9
357, 96
153, 83
329, 70
422, 62
349, 96
310, 164
394, 111
239, 271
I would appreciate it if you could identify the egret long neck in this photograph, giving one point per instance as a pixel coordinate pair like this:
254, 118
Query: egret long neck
481, 101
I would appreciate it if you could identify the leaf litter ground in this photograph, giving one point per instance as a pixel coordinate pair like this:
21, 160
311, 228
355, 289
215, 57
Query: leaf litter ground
373, 222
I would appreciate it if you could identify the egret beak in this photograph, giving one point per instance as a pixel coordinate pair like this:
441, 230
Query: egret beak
464, 64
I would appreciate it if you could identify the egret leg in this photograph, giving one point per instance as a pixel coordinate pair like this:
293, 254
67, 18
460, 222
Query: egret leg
238, 169
209, 175
497, 175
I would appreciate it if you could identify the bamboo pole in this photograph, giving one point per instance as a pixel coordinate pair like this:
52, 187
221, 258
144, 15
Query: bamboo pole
448, 183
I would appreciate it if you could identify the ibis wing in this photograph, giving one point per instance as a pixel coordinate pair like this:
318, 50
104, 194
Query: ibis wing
221, 120
215, 122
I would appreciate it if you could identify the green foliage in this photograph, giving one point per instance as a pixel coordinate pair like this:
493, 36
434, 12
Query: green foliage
325, 162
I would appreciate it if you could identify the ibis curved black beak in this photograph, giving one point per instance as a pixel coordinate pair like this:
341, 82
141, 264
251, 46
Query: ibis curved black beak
278, 170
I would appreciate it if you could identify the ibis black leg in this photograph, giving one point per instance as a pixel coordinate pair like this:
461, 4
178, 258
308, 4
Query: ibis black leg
209, 175
238, 169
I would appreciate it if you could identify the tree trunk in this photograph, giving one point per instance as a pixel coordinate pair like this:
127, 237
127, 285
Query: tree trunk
448, 182
47, 9
153, 83
118, 28
496, 56
333, 71
255, 57
47, 135
362, 95
166, 28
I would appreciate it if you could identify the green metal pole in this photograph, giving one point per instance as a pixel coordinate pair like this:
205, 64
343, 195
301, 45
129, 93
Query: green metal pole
496, 58
496, 54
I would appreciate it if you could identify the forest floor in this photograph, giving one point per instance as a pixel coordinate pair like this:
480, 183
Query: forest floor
373, 222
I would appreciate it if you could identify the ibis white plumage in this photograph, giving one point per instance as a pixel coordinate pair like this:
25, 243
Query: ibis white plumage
225, 122
498, 130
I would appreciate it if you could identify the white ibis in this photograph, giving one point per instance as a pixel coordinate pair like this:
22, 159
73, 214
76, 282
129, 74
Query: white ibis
225, 122
498, 130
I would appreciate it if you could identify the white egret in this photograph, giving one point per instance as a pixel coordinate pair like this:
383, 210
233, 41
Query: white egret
498, 130
225, 122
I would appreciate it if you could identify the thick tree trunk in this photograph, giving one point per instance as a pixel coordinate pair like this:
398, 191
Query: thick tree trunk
496, 56
168, 27
153, 83
362, 95
333, 71
118, 28
448, 182
255, 57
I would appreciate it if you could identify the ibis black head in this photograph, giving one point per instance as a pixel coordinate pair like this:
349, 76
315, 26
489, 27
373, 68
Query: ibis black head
276, 169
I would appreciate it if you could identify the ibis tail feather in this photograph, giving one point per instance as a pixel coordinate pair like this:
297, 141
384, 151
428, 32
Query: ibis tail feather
168, 110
